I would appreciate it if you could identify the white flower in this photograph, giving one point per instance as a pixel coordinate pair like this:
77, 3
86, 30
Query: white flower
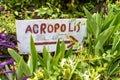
85, 75
71, 62
63, 62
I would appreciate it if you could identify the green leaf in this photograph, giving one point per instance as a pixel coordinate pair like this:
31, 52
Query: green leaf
68, 52
91, 22
16, 13
30, 64
49, 11
107, 21
56, 59
98, 20
106, 34
118, 47
57, 48
40, 59
116, 44
19, 71
11, 75
33, 54
59, 55
45, 54
18, 3
49, 62
14, 55
102, 38
117, 20
114, 66
24, 67
46, 58
62, 49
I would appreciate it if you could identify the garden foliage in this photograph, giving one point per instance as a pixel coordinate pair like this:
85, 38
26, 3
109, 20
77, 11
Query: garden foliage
7, 41
97, 59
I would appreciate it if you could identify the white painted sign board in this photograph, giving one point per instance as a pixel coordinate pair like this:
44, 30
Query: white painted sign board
46, 32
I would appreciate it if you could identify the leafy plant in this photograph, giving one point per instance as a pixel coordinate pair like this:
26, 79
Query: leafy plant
50, 63
25, 69
99, 59
113, 68
7, 21
49, 11
103, 37
100, 30
47, 62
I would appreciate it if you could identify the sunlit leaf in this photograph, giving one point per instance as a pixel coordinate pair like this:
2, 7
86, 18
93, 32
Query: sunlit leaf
57, 48
14, 55
62, 49
19, 71
91, 21
33, 54
24, 67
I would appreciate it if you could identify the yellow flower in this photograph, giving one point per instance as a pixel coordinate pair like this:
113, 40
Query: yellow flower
68, 70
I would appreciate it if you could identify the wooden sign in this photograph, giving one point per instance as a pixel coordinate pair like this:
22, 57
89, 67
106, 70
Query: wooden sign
48, 31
